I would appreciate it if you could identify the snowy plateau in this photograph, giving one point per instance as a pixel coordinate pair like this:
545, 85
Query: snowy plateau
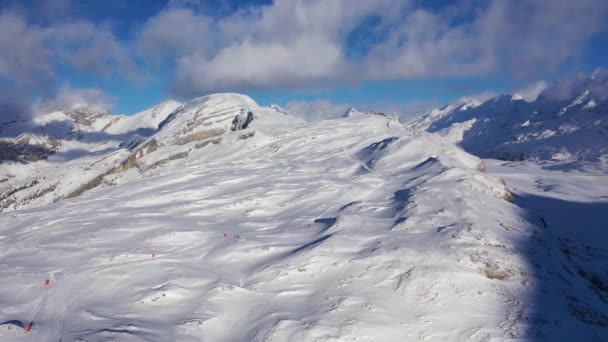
222, 220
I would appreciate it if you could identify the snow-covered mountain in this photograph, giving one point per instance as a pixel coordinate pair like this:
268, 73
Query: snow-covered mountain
568, 121
238, 222
49, 156
352, 112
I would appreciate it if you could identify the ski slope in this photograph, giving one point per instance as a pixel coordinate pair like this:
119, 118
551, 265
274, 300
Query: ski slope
355, 229
302, 232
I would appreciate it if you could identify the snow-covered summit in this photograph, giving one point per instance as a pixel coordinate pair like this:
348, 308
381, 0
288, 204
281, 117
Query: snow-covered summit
96, 148
350, 112
354, 113
148, 119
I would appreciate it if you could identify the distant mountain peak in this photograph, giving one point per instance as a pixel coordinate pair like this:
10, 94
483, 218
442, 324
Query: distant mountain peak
350, 112
278, 108
565, 119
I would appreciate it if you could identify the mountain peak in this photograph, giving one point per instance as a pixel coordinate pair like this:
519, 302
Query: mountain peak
350, 112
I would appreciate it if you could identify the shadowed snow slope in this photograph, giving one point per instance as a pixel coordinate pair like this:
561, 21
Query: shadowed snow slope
237, 222
568, 253
564, 123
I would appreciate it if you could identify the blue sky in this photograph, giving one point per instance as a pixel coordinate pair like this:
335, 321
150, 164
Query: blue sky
396, 55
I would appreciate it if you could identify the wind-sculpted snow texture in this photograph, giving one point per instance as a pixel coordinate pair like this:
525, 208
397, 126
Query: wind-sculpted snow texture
559, 125
292, 234
236, 222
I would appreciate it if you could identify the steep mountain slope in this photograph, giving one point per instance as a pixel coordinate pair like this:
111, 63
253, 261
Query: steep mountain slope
49, 156
143, 123
127, 147
350, 229
568, 121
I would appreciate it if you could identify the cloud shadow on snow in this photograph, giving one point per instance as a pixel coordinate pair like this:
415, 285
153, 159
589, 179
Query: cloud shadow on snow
568, 259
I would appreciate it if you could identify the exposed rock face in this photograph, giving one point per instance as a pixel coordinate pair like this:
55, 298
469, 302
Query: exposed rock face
131, 161
22, 152
86, 116
352, 112
90, 149
246, 135
242, 121
200, 135
151, 146
207, 142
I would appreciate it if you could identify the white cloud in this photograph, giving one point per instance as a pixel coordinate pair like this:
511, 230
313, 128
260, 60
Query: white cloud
478, 97
69, 98
91, 48
13, 106
304, 61
173, 32
315, 110
294, 43
530, 93
23, 58
302, 44
30, 54
568, 88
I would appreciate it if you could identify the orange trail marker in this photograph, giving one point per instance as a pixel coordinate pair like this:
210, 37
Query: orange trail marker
47, 282
29, 327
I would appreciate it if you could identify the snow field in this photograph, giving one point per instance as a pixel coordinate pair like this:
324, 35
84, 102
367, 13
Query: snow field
302, 233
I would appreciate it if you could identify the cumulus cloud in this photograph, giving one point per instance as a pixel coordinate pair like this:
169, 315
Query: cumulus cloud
596, 84
477, 97
24, 60
530, 93
90, 47
305, 61
172, 33
318, 109
301, 44
304, 44
13, 106
68, 98
31, 54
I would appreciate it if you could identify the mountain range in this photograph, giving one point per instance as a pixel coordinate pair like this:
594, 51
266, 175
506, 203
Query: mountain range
567, 121
219, 219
